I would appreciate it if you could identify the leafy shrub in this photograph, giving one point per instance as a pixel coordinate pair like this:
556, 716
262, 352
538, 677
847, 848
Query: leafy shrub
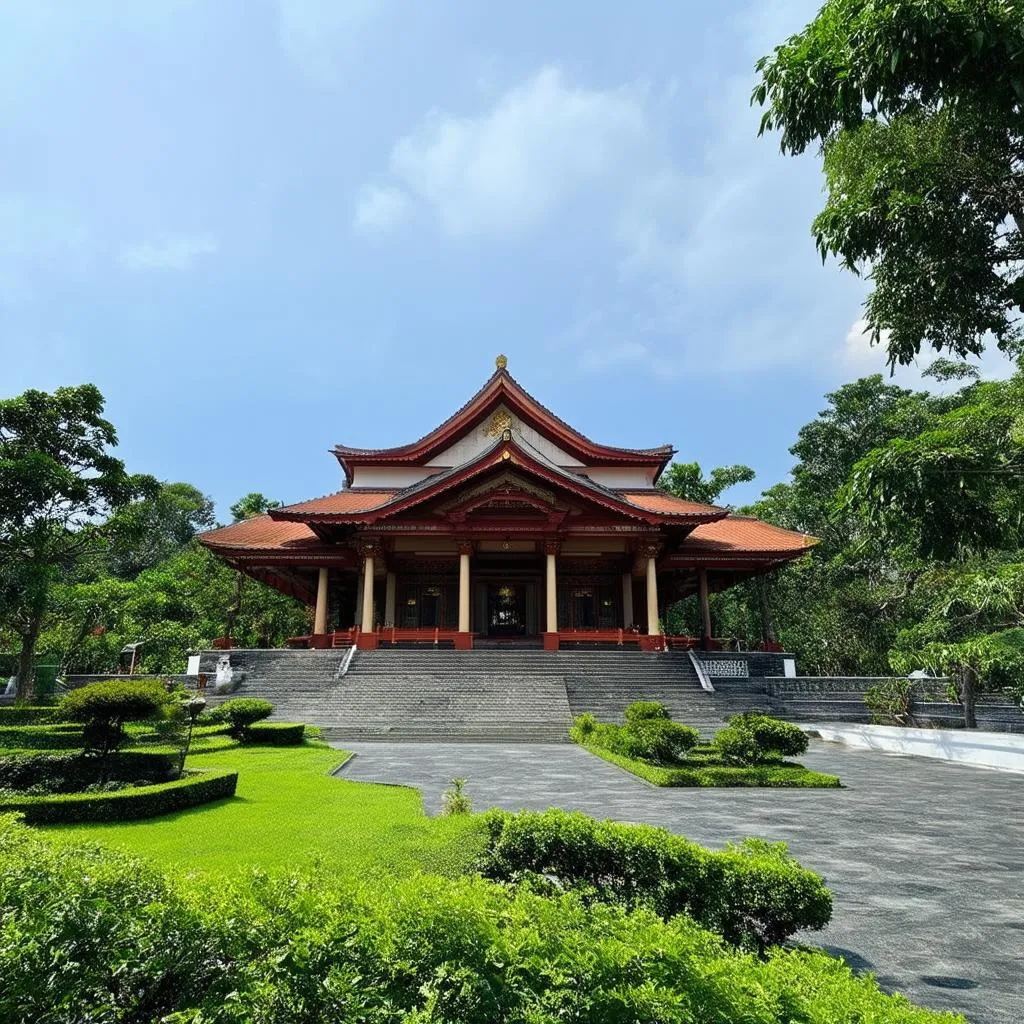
240, 713
135, 946
275, 734
754, 738
649, 734
644, 710
455, 800
72, 773
124, 804
105, 707
753, 895
26, 714
889, 702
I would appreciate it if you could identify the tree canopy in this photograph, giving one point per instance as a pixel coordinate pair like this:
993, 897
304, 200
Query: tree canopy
687, 480
918, 109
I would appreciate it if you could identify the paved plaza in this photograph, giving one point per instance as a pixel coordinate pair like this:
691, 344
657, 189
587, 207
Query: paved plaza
925, 859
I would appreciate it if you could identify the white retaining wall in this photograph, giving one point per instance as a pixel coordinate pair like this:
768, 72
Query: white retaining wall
999, 750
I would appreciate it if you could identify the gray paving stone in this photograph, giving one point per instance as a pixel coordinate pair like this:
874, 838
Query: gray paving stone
925, 859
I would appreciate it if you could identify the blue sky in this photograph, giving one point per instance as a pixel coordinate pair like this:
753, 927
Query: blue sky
263, 227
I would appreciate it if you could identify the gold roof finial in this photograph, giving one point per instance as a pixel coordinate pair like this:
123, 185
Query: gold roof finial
501, 362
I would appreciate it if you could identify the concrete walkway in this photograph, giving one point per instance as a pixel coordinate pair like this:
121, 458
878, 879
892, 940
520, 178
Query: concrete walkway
925, 859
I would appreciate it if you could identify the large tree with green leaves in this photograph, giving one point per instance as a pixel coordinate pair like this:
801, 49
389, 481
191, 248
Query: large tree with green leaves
59, 488
687, 480
918, 109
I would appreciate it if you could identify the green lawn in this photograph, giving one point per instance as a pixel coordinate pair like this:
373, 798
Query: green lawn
290, 812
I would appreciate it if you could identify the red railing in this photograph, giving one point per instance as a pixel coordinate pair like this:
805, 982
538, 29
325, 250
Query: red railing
424, 635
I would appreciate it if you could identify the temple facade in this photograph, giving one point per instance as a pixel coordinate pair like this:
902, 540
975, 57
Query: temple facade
502, 524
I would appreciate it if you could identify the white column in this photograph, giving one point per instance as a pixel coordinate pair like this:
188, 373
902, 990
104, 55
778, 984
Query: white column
389, 601
320, 618
368, 594
653, 627
463, 591
627, 600
705, 604
552, 595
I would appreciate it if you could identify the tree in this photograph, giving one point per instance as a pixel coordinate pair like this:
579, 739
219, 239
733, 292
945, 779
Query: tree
59, 486
918, 108
252, 505
686, 480
146, 532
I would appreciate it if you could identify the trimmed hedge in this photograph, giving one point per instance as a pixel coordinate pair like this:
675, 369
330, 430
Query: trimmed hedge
26, 714
753, 895
126, 804
276, 734
701, 773
41, 737
70, 772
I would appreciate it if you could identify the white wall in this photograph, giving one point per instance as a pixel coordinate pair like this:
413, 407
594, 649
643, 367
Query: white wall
389, 476
622, 477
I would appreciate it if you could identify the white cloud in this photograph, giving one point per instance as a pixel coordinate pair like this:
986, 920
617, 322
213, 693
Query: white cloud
178, 252
380, 208
504, 172
319, 35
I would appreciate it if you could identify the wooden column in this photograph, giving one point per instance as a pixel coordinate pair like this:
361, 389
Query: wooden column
551, 599
627, 600
367, 624
464, 640
389, 600
705, 607
653, 626
320, 618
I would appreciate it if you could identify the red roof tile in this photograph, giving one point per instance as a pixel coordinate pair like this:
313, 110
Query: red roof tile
261, 533
341, 502
661, 501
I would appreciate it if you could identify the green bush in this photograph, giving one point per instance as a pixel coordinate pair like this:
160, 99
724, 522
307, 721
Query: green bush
105, 707
275, 734
40, 737
26, 714
754, 738
92, 936
124, 804
644, 710
70, 773
753, 896
240, 713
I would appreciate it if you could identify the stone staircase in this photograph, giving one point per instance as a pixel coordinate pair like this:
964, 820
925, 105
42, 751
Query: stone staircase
495, 694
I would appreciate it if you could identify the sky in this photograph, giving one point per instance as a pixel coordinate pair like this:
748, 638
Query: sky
264, 227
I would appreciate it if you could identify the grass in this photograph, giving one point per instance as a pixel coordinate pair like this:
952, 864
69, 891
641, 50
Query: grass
289, 812
785, 775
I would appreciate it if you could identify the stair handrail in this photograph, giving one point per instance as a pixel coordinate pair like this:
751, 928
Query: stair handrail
345, 662
702, 676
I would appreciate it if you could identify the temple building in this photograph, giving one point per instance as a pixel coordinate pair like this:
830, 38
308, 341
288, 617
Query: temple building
503, 523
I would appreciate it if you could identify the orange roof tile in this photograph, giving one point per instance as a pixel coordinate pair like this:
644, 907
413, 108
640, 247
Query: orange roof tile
262, 533
742, 534
662, 501
341, 502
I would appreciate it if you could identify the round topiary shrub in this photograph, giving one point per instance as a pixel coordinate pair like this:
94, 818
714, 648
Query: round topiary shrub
754, 738
658, 740
105, 707
646, 710
240, 713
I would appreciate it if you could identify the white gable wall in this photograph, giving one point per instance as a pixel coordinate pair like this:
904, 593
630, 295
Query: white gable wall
624, 477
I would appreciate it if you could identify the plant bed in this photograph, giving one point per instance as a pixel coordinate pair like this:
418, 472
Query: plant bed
129, 804
705, 772
26, 714
747, 752
41, 737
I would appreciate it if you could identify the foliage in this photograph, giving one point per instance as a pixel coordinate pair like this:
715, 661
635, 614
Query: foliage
276, 734
752, 895
71, 773
251, 505
125, 804
917, 105
646, 710
686, 480
455, 800
301, 950
59, 488
649, 734
40, 737
105, 707
710, 772
240, 713
889, 702
753, 738
25, 714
